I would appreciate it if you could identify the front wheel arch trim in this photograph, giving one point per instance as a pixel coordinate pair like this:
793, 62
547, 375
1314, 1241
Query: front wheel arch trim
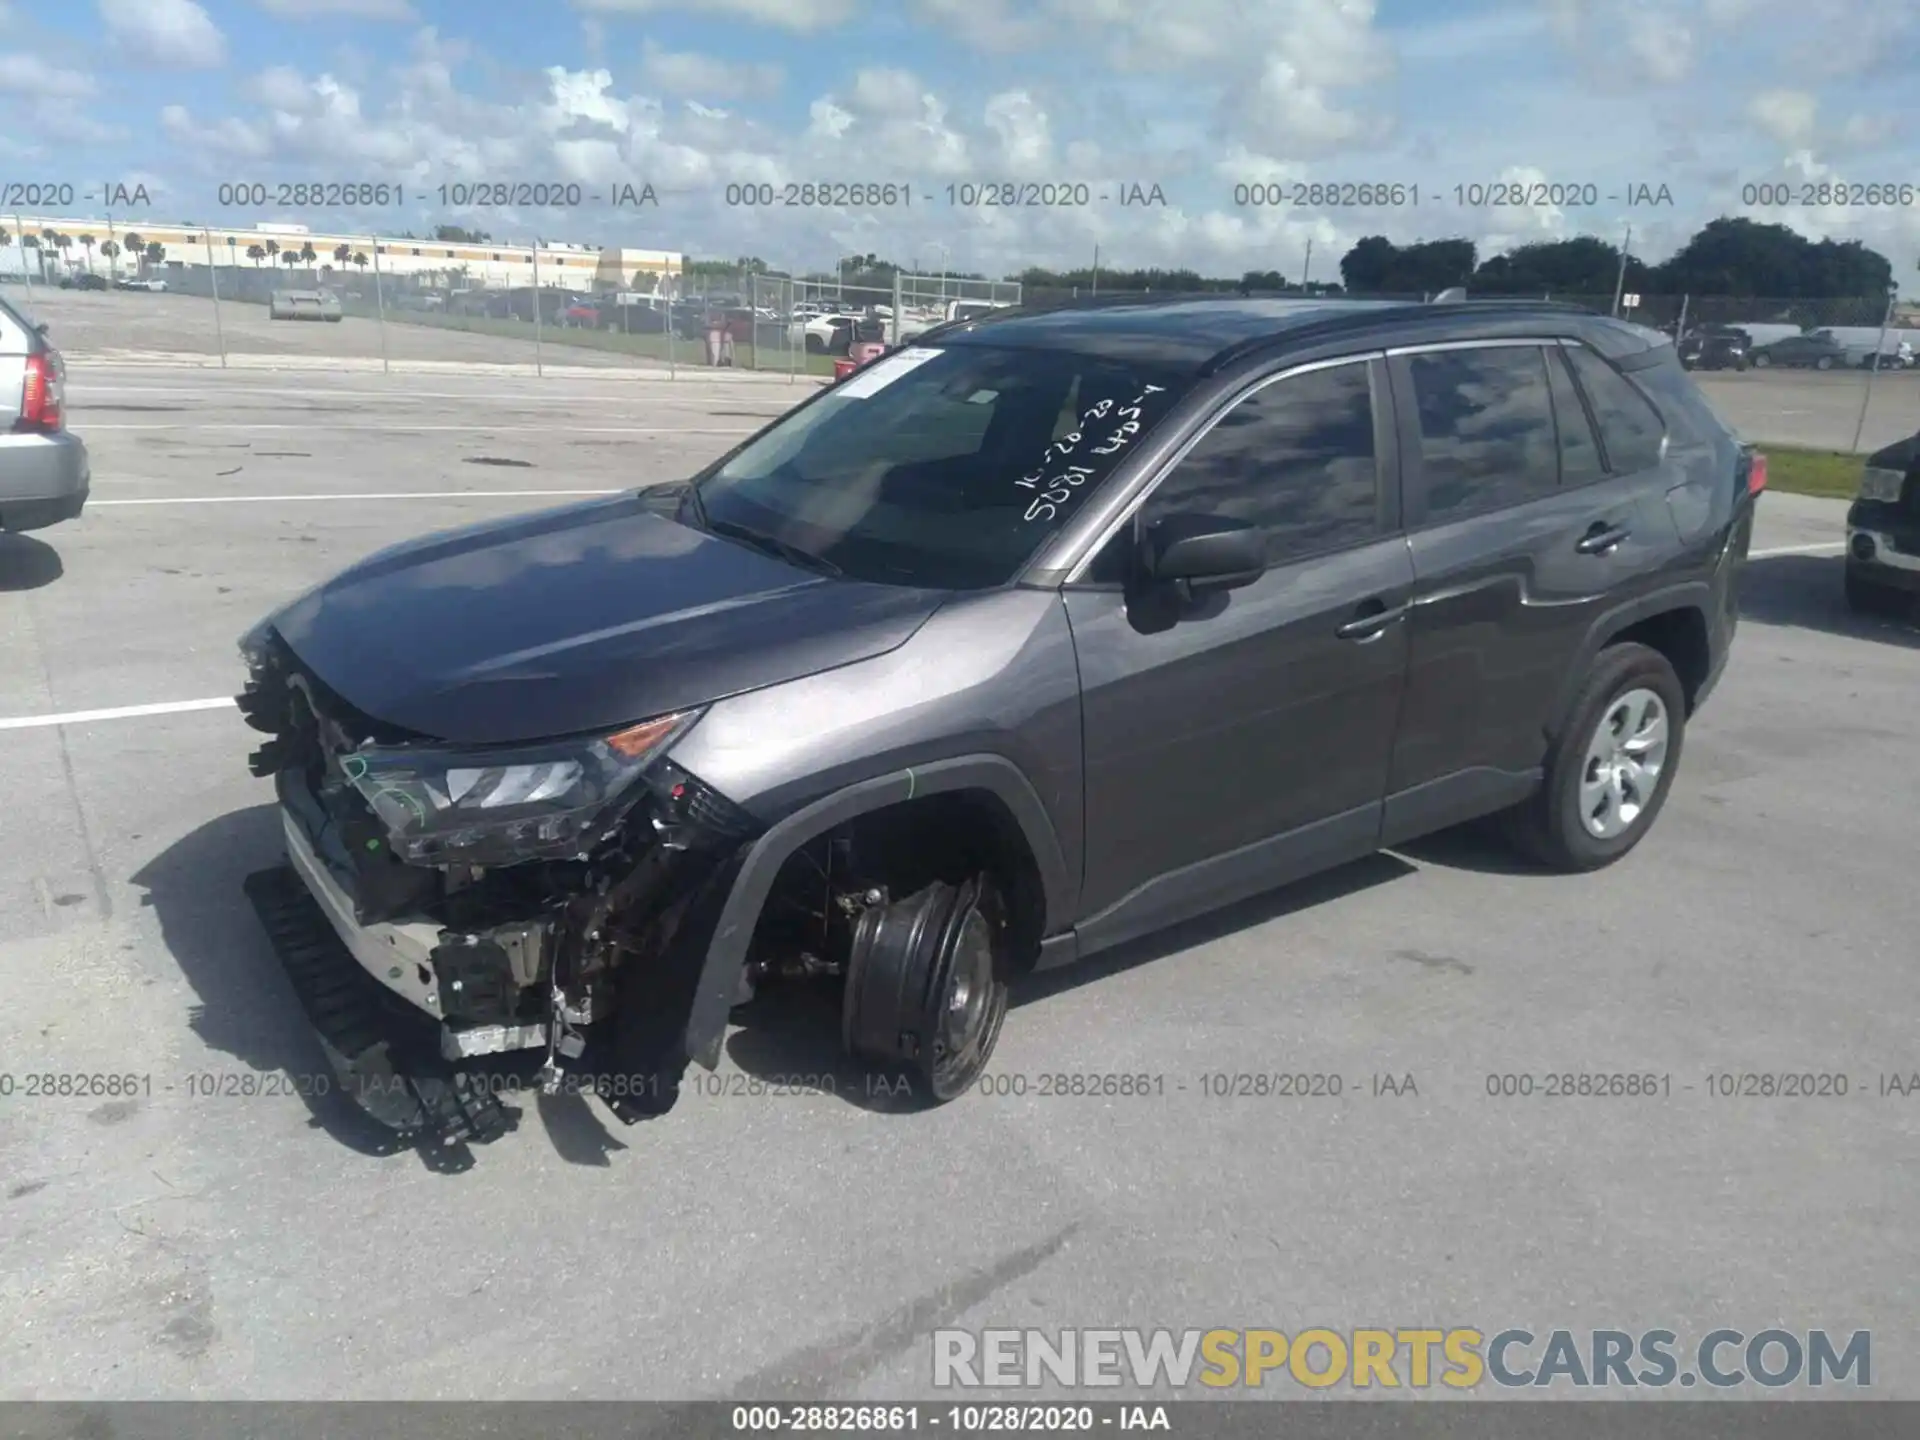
761, 864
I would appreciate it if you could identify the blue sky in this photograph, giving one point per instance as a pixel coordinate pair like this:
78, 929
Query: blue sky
1703, 97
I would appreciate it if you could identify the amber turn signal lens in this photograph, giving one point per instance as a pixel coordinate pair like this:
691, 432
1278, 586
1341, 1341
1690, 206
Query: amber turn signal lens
636, 740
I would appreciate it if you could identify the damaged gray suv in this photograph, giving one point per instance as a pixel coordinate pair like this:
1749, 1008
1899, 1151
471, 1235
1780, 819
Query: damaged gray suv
1049, 631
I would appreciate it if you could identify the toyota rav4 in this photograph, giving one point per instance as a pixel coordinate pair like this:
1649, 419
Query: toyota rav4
1051, 630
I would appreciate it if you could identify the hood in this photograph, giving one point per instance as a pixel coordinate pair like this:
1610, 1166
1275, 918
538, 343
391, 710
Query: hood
585, 617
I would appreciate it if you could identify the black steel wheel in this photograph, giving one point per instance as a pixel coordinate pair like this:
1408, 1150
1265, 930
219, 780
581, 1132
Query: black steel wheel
926, 988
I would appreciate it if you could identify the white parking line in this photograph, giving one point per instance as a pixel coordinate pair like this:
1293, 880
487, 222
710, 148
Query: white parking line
392, 495
1797, 549
123, 712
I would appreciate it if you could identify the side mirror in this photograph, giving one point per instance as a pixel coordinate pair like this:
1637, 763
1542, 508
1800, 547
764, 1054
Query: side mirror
1198, 554
40, 329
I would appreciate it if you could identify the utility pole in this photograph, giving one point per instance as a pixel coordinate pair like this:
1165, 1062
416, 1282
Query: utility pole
1306, 270
1879, 348
1620, 283
1096, 270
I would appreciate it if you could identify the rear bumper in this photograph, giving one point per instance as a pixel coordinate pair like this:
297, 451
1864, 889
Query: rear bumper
1885, 558
44, 479
1883, 541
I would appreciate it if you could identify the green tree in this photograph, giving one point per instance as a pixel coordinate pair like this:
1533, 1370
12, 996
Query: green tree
256, 253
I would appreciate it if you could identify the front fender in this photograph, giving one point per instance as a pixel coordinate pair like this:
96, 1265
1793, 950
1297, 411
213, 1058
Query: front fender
756, 868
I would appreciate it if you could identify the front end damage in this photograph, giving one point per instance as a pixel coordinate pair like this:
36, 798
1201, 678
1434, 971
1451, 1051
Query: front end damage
438, 911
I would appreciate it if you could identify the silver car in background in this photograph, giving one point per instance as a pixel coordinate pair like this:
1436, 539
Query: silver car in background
44, 473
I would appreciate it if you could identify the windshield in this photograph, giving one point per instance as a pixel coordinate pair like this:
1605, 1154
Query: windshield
943, 468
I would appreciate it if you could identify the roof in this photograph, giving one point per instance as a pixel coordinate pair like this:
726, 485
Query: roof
1202, 332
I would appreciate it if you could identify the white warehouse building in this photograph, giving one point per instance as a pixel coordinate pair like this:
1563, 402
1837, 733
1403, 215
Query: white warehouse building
492, 264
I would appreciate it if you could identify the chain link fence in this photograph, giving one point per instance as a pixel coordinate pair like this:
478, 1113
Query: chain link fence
245, 304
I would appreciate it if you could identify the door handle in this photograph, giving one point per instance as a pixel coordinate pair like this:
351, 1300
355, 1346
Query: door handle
1369, 624
1602, 539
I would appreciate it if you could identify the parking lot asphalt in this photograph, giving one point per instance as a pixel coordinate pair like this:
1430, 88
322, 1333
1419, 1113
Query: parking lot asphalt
784, 1234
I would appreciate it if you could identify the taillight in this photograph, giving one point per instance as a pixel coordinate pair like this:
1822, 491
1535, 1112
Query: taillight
43, 398
1757, 473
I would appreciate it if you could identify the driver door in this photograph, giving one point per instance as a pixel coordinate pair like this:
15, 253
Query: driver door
1242, 741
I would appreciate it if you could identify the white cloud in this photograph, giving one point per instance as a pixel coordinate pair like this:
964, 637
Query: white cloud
354, 9
888, 92
1660, 45
688, 73
801, 15
29, 75
991, 25
280, 88
165, 32
1026, 137
1786, 115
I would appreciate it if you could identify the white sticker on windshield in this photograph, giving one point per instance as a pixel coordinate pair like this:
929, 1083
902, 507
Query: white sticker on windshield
879, 374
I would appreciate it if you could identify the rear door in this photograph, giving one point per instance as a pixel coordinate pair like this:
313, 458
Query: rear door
1523, 529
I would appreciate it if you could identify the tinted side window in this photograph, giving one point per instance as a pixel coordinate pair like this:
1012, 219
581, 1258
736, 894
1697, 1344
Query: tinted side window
1579, 451
1630, 427
1296, 458
1487, 437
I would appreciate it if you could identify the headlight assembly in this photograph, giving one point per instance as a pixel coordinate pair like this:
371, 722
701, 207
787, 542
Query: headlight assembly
550, 800
1878, 484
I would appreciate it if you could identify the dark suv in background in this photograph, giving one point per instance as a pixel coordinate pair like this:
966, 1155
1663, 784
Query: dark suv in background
1716, 349
1048, 631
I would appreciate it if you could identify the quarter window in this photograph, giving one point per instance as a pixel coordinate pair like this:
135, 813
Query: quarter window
1487, 437
1296, 458
1630, 427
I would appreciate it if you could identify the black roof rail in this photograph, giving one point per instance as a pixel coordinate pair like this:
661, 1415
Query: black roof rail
1335, 323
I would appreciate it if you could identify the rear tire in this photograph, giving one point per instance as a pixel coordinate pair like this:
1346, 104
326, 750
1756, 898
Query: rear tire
1610, 766
926, 987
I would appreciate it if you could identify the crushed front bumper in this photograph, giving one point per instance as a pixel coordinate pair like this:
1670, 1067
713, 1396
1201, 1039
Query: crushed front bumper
384, 1054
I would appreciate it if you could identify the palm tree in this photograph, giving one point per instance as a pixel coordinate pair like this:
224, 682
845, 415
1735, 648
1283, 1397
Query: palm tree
137, 248
112, 252
155, 253
63, 243
256, 255
360, 259
342, 254
32, 242
273, 251
307, 256
87, 240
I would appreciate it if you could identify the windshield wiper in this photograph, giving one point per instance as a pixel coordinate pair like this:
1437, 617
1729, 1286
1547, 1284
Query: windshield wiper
690, 497
771, 545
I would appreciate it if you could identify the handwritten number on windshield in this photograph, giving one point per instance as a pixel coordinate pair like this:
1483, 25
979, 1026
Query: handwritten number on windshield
1060, 487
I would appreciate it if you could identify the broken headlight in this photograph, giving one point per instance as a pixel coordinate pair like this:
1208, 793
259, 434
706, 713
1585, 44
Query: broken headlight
550, 800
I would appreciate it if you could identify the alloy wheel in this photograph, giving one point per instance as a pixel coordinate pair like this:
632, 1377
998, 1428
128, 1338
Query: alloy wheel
1625, 757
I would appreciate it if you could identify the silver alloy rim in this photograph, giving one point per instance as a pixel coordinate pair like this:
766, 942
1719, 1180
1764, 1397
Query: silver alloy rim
1624, 760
